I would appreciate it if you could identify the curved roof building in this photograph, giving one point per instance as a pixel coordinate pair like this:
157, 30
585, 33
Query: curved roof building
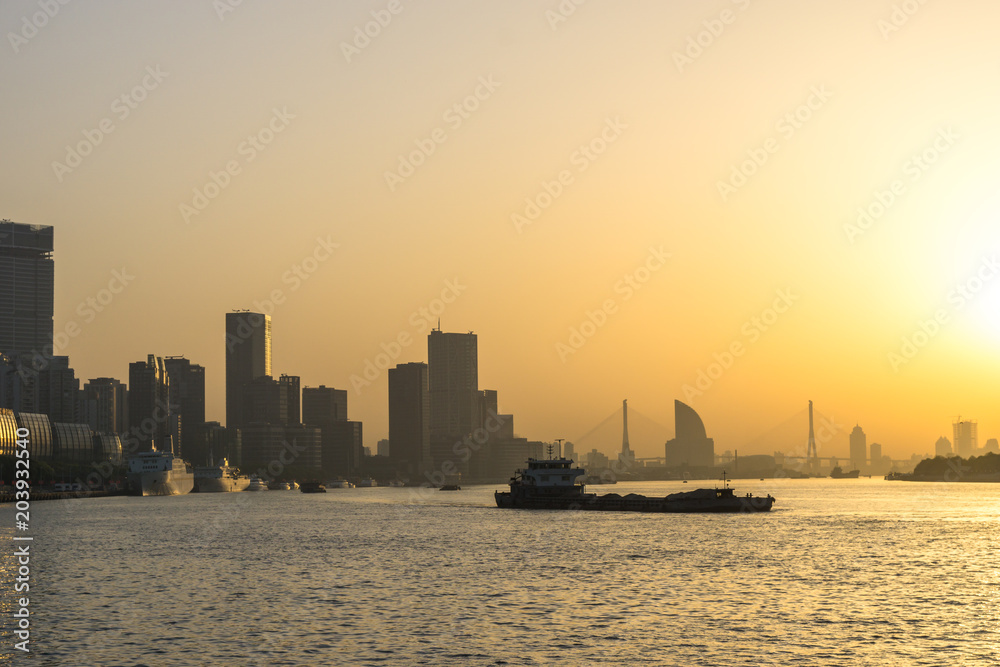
690, 445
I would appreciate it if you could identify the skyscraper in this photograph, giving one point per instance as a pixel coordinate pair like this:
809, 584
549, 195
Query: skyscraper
453, 386
27, 273
859, 448
105, 402
248, 357
966, 437
322, 404
148, 406
187, 399
690, 445
409, 417
294, 398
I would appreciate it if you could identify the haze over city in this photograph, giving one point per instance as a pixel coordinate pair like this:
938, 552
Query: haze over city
741, 205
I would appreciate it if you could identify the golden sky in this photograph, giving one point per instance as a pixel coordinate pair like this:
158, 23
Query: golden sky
740, 204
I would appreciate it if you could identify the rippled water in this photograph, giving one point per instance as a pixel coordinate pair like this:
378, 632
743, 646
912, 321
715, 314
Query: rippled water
842, 572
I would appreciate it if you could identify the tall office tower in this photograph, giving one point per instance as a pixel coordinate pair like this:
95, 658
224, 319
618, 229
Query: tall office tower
294, 398
248, 357
220, 443
149, 413
966, 437
453, 385
58, 391
27, 274
105, 405
409, 418
690, 445
382, 447
322, 404
341, 444
569, 450
875, 455
942, 447
187, 399
265, 401
858, 448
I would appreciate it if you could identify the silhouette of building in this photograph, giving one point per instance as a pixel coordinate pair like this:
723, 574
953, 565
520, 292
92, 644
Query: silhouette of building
322, 404
992, 445
875, 455
149, 406
248, 357
27, 273
382, 447
342, 448
966, 437
409, 418
858, 448
265, 401
294, 396
104, 405
942, 447
690, 445
453, 386
187, 399
58, 391
569, 450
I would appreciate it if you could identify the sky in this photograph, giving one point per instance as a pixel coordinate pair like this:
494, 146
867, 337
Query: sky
744, 205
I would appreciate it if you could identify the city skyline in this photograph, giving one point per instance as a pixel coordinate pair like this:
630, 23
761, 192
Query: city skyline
662, 223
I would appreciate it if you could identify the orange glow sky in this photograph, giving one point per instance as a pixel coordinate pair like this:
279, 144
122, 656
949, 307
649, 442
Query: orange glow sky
881, 94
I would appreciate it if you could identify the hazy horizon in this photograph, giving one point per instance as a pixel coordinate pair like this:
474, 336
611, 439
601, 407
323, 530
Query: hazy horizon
801, 207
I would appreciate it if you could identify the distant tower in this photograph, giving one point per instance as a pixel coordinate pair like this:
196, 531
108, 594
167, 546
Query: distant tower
811, 453
627, 456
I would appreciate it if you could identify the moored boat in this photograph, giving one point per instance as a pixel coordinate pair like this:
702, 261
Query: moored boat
552, 484
219, 479
155, 473
339, 484
312, 487
256, 484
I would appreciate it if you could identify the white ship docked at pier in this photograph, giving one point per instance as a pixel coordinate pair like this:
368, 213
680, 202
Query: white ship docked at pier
156, 473
219, 479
